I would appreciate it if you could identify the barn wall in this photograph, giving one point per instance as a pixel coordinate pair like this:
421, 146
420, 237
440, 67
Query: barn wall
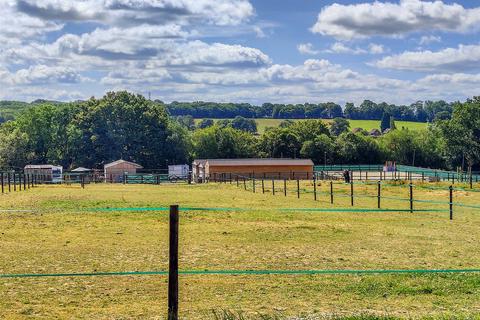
261, 171
115, 173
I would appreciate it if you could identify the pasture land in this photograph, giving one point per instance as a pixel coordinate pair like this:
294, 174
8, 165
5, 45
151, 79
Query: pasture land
368, 125
67, 234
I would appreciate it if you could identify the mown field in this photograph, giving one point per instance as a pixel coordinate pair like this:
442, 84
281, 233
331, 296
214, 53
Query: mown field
66, 234
262, 124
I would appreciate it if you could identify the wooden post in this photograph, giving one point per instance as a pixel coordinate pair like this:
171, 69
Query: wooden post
236, 178
331, 192
423, 176
14, 181
173, 265
253, 184
24, 182
285, 187
411, 198
451, 202
298, 188
351, 192
3, 190
379, 187
9, 182
273, 186
314, 189
244, 183
82, 181
471, 180
263, 186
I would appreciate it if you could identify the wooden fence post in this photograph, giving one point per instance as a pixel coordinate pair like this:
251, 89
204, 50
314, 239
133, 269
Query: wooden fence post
2, 184
263, 186
273, 186
9, 182
314, 189
351, 192
244, 183
173, 265
379, 193
331, 192
451, 202
411, 198
285, 187
253, 185
298, 189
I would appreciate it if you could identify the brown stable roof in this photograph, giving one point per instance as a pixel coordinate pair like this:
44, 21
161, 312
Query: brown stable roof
114, 163
256, 162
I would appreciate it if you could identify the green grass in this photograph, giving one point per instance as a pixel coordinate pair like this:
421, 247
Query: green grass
368, 125
66, 235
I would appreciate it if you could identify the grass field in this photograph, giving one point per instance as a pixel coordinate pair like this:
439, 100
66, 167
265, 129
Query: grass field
66, 234
368, 125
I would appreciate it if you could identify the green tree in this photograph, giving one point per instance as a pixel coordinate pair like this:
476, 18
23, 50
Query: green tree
462, 133
339, 126
385, 122
216, 142
205, 123
318, 149
244, 124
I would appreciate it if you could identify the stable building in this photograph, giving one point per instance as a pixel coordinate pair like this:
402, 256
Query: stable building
116, 171
46, 172
216, 169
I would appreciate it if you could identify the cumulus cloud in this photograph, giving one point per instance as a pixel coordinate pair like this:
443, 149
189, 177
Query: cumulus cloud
463, 58
16, 26
132, 12
41, 74
394, 19
307, 48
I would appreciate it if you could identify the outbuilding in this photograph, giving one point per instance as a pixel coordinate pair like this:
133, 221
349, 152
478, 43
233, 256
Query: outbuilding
115, 171
280, 168
47, 172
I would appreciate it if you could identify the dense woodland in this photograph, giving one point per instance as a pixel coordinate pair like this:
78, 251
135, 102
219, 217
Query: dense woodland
421, 111
426, 111
128, 126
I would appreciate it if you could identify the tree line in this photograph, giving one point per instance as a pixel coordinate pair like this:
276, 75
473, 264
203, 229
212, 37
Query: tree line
420, 111
122, 125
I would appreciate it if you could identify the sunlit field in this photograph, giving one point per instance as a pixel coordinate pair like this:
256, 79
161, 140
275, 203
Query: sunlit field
368, 125
63, 230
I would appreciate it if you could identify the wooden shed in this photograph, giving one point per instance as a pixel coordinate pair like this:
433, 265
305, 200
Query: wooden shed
115, 171
214, 169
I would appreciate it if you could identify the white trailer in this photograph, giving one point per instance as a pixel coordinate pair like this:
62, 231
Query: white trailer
179, 171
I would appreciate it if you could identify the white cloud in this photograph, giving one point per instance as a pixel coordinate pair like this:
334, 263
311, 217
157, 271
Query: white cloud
307, 48
425, 40
41, 74
133, 12
374, 48
463, 58
340, 47
394, 19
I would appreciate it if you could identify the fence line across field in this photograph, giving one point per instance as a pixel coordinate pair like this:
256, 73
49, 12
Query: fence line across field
174, 270
352, 195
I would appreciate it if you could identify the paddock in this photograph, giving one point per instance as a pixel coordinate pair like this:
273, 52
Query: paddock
122, 230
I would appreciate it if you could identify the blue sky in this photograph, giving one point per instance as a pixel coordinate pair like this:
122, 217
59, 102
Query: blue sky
239, 50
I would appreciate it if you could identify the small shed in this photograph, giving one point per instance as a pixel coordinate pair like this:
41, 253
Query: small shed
115, 171
213, 169
47, 172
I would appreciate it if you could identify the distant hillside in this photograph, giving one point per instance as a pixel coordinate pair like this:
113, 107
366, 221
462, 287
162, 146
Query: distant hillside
10, 109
